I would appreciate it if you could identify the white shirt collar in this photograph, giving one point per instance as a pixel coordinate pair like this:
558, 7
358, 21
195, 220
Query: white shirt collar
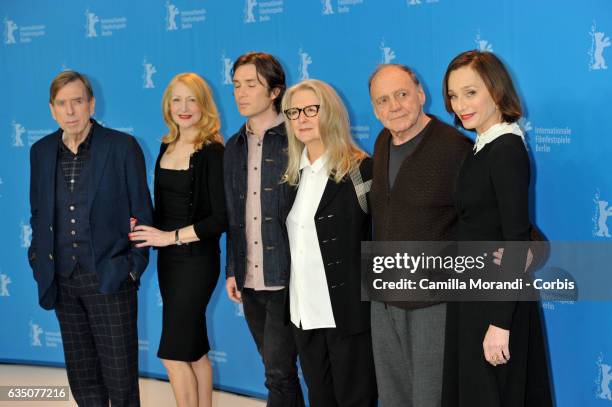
316, 166
494, 132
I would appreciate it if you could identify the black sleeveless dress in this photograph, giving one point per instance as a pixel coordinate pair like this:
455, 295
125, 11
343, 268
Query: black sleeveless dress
187, 279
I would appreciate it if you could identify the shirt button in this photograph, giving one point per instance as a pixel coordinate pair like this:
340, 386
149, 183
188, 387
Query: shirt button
50, 256
255, 218
256, 266
71, 207
258, 144
75, 245
255, 193
255, 241
73, 233
72, 221
72, 181
51, 228
74, 258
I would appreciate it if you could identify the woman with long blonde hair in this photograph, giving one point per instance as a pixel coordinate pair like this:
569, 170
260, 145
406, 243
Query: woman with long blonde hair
190, 217
330, 177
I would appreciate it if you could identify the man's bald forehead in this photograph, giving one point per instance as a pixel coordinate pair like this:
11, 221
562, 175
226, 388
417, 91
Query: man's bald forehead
385, 67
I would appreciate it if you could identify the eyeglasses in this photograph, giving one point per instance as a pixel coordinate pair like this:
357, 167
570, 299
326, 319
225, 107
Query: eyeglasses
309, 111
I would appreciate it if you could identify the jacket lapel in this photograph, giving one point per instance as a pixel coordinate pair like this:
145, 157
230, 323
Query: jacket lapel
100, 146
331, 189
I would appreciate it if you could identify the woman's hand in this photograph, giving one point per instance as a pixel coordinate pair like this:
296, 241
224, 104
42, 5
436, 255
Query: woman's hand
496, 345
149, 236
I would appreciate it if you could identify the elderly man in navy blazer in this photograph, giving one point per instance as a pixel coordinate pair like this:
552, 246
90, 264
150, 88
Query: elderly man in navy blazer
86, 183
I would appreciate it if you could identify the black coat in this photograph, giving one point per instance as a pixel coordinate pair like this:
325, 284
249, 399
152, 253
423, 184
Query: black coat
117, 190
341, 226
208, 213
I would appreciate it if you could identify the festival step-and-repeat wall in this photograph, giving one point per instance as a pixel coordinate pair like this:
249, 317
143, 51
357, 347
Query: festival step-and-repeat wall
559, 53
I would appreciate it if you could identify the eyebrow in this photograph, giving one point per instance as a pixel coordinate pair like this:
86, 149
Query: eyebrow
64, 100
248, 80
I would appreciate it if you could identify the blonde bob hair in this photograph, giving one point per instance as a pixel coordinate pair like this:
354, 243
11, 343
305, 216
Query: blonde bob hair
343, 153
209, 124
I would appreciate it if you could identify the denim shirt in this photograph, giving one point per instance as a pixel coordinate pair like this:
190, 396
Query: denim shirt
274, 206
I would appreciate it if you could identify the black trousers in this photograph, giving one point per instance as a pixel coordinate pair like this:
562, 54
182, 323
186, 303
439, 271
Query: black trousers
338, 369
100, 340
265, 314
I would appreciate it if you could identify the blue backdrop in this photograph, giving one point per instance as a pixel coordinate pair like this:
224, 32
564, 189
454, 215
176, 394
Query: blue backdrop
558, 52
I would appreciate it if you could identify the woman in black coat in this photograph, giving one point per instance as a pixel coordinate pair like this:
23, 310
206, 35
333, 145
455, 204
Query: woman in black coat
327, 222
190, 217
495, 352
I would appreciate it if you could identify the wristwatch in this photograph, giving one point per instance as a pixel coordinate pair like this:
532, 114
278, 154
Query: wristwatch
177, 240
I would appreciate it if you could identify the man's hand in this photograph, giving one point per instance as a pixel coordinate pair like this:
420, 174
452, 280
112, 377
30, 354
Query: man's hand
496, 345
499, 253
232, 290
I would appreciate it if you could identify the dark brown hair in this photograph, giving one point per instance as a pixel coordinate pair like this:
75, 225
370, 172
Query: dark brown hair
64, 78
268, 68
495, 77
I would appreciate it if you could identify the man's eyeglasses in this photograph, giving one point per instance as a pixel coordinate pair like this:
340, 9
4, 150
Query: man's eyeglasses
309, 111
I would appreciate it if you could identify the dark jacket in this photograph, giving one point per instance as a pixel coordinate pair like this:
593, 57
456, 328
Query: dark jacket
117, 190
421, 205
207, 212
341, 227
274, 206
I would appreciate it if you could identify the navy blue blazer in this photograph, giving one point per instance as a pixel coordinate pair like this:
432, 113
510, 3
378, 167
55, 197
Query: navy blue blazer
117, 190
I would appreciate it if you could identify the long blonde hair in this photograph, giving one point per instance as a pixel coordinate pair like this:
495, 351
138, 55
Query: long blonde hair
209, 124
343, 153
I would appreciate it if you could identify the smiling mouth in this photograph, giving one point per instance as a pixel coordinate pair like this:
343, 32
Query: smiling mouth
466, 116
184, 116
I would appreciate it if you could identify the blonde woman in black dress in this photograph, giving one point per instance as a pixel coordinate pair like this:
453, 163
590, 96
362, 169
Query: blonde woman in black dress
495, 351
190, 217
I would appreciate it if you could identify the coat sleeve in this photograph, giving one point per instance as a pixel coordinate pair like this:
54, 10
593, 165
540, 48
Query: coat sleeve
230, 261
139, 200
215, 223
33, 206
510, 179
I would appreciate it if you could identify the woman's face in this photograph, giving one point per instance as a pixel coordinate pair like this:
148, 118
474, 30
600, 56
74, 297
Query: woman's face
306, 128
471, 100
184, 107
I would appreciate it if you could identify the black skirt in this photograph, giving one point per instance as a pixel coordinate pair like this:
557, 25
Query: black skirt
186, 284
